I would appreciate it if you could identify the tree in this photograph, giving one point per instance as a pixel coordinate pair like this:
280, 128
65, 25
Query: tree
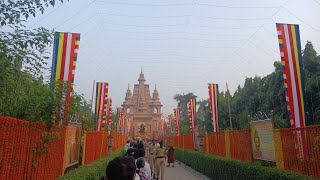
183, 106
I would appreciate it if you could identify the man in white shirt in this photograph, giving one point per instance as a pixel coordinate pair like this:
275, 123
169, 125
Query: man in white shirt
146, 168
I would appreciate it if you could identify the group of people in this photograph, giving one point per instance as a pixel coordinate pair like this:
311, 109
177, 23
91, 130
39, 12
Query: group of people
143, 160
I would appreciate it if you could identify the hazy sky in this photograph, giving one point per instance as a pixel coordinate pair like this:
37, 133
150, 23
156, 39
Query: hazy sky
181, 45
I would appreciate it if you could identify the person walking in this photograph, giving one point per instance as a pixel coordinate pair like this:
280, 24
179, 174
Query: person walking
170, 154
146, 168
160, 161
152, 155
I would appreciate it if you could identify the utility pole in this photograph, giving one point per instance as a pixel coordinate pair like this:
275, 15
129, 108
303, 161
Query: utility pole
229, 106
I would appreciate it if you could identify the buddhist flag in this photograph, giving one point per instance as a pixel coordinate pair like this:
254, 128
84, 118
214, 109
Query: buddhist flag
109, 111
119, 120
170, 123
192, 114
65, 53
291, 60
177, 120
213, 100
101, 107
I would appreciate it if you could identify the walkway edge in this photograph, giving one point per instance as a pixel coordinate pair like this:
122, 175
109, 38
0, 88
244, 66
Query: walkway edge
192, 171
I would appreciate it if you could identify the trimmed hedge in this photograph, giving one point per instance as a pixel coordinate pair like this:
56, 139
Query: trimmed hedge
223, 168
93, 171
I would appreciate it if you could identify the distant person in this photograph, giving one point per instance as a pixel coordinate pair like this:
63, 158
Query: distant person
152, 155
140, 164
121, 168
140, 145
146, 168
133, 153
127, 146
170, 154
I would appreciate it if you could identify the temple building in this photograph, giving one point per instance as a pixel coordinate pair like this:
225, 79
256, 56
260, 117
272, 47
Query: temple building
143, 111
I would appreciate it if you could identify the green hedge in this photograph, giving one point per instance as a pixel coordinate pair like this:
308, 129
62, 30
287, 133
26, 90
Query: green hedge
223, 168
93, 171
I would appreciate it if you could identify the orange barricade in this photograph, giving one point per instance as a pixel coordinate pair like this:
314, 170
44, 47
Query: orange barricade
240, 145
188, 141
30, 150
216, 144
180, 140
309, 164
95, 145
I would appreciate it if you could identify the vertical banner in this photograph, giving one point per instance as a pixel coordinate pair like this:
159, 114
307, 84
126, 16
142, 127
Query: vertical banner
170, 123
192, 114
65, 53
109, 112
291, 60
176, 113
213, 100
119, 120
101, 105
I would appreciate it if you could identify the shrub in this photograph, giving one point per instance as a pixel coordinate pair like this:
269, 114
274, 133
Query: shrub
92, 171
223, 168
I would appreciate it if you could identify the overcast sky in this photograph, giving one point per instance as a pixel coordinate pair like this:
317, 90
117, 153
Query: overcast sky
181, 45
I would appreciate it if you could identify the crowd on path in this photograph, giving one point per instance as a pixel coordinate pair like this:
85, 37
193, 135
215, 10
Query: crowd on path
144, 160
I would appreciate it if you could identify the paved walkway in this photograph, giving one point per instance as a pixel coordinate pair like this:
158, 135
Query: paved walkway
183, 172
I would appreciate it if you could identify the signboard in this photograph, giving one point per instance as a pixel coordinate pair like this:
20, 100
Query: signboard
262, 140
72, 145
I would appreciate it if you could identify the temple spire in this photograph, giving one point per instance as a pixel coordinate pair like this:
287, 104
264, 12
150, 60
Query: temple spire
141, 78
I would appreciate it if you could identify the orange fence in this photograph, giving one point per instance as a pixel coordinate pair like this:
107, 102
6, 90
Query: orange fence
95, 145
301, 160
240, 145
289, 154
216, 144
30, 150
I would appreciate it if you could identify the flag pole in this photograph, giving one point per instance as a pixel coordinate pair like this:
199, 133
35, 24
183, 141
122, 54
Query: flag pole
94, 81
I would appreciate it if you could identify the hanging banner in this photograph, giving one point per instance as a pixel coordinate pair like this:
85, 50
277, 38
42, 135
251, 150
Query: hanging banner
170, 123
176, 113
119, 120
109, 111
65, 53
101, 105
192, 114
291, 60
213, 101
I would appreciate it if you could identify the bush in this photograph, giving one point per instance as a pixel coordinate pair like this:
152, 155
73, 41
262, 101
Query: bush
92, 171
223, 168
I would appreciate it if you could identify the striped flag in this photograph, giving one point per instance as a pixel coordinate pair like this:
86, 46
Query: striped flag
192, 114
176, 113
101, 107
119, 128
109, 111
291, 60
213, 100
170, 123
65, 53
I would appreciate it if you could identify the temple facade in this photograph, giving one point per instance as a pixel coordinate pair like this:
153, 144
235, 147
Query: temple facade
143, 111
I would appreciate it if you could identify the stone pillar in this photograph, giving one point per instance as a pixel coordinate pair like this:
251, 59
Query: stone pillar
110, 144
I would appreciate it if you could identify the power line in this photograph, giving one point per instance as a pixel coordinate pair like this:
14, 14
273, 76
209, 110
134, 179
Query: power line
46, 16
317, 2
291, 13
189, 4
78, 12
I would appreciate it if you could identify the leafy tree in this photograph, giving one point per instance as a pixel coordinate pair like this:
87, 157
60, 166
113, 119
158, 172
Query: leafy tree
183, 106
